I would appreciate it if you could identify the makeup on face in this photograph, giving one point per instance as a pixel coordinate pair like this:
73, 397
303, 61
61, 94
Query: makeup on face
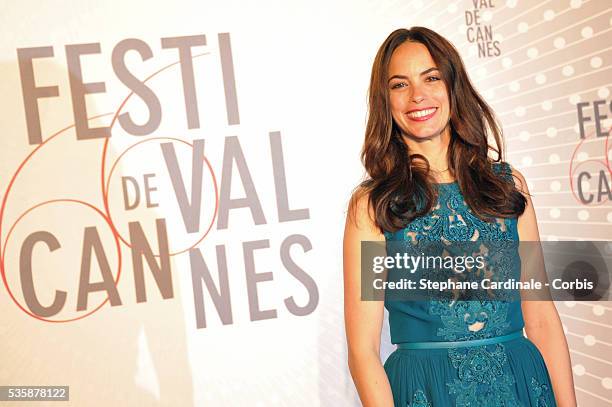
417, 94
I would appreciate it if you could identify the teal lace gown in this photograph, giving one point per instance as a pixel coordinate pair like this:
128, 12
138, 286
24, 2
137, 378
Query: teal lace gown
509, 374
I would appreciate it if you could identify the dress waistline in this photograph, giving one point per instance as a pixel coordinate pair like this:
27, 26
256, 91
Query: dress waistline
460, 344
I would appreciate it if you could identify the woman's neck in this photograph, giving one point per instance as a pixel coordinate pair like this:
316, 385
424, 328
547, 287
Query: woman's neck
435, 150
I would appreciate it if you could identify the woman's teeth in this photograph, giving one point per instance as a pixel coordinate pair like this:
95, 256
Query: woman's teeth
421, 113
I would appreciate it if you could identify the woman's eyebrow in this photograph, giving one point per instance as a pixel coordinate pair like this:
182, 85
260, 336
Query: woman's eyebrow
425, 72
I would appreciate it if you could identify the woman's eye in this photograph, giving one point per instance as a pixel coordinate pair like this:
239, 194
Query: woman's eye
434, 77
398, 85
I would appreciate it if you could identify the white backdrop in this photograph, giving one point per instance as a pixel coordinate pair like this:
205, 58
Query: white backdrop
300, 71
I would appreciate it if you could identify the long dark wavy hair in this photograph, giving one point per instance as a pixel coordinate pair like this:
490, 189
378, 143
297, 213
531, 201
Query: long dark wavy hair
399, 183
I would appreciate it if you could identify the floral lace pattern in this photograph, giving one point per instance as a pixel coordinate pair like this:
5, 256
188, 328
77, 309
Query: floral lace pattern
483, 371
540, 392
419, 400
483, 381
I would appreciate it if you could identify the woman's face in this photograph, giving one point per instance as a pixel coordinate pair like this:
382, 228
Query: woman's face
417, 94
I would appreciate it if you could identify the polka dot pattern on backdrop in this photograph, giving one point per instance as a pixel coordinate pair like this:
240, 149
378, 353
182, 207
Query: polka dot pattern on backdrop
549, 15
559, 42
589, 340
598, 310
596, 62
555, 186
579, 370
575, 3
532, 52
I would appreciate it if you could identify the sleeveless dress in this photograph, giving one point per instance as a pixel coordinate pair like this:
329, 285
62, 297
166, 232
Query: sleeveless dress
508, 374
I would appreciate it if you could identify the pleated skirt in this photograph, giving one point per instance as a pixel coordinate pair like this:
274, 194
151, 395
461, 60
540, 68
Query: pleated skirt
512, 374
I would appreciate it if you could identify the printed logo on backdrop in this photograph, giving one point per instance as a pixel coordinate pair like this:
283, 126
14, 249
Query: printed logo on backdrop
478, 31
591, 174
161, 195
591, 185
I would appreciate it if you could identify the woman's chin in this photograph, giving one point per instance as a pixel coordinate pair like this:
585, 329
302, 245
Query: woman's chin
422, 135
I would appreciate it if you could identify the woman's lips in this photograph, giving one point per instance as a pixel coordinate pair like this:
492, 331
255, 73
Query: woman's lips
423, 118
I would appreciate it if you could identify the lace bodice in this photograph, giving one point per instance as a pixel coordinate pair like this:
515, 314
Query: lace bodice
481, 370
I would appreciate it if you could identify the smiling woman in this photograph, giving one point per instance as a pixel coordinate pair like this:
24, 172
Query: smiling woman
430, 178
418, 99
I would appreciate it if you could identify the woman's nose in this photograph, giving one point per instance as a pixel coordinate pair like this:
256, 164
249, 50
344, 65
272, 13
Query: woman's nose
417, 94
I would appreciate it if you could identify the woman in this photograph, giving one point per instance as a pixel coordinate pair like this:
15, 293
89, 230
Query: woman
431, 178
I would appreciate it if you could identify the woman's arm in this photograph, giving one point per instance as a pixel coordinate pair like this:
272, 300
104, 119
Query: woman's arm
542, 322
363, 319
